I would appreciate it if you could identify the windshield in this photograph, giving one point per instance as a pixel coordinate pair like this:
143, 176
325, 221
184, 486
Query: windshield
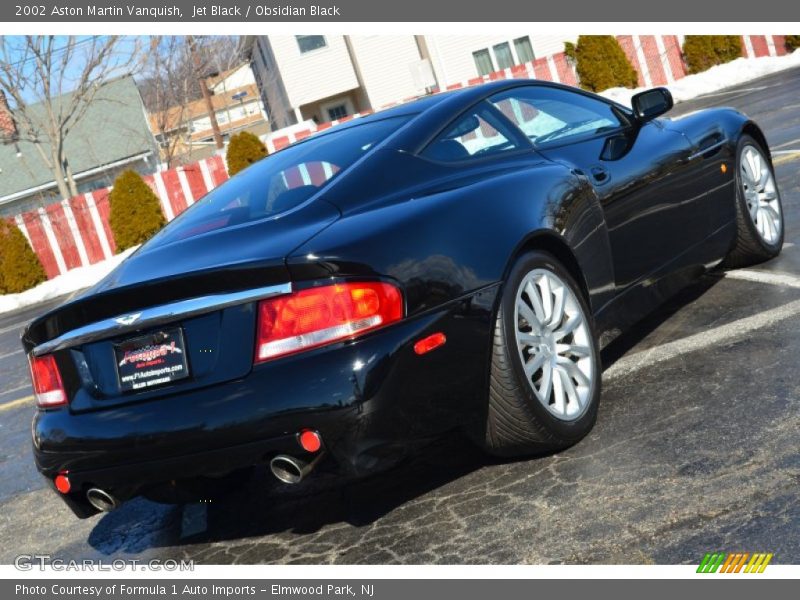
281, 181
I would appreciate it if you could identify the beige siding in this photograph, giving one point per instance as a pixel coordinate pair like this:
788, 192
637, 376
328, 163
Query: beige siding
317, 74
239, 78
384, 64
452, 54
546, 45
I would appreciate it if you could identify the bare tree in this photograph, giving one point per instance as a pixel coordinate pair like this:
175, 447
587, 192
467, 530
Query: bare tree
51, 82
168, 83
167, 87
223, 53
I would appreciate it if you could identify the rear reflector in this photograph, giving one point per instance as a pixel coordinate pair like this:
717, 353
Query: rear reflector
318, 316
62, 483
311, 441
47, 385
432, 342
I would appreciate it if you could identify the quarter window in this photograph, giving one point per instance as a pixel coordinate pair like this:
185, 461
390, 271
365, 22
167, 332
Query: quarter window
476, 134
548, 114
307, 43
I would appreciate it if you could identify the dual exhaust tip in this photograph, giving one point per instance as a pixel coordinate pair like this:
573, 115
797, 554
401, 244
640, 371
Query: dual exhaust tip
284, 467
287, 469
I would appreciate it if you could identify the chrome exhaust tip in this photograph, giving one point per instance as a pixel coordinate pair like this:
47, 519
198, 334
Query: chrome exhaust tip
291, 470
102, 500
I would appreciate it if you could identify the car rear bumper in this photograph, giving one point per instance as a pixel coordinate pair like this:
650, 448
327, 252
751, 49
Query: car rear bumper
369, 399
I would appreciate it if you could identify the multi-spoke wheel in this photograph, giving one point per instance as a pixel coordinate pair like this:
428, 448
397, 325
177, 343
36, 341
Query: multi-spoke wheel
761, 194
545, 374
554, 344
759, 223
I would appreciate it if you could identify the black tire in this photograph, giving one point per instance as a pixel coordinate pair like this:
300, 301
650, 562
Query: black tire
516, 422
750, 247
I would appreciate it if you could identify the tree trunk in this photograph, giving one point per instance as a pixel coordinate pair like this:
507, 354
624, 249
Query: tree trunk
58, 173
71, 185
72, 189
57, 168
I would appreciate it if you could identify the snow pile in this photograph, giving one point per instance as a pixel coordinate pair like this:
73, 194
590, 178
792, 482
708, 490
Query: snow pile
69, 282
716, 78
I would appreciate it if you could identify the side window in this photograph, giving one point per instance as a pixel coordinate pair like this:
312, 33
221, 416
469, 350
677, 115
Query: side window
547, 114
477, 133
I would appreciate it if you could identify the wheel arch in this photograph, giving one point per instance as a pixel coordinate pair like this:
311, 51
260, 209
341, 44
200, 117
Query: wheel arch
552, 243
750, 128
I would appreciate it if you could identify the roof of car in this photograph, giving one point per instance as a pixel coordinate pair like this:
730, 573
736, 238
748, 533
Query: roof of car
457, 99
424, 103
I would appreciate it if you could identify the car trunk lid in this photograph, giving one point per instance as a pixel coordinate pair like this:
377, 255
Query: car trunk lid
206, 286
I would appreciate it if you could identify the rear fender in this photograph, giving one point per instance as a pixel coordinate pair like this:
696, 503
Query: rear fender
444, 245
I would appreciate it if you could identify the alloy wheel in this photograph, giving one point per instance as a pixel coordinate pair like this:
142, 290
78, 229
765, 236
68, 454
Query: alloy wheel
761, 194
554, 344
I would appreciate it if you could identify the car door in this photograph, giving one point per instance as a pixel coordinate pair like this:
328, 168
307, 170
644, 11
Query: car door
638, 171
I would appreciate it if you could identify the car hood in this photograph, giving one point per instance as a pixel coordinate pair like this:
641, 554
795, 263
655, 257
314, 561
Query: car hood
231, 259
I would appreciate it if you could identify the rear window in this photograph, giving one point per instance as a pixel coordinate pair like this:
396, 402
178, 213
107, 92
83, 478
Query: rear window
281, 181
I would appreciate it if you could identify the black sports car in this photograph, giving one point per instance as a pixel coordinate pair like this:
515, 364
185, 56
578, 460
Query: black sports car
456, 262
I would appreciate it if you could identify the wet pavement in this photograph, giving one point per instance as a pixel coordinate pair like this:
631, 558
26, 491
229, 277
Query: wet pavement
695, 448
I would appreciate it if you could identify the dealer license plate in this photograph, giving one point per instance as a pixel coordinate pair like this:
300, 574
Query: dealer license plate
151, 360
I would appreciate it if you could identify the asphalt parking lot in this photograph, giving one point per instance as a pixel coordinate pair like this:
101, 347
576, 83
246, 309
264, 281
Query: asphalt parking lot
695, 448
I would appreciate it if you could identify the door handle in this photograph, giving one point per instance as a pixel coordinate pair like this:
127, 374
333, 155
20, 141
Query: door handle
600, 174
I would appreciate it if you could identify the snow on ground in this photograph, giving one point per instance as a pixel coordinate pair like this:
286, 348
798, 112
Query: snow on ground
716, 78
71, 281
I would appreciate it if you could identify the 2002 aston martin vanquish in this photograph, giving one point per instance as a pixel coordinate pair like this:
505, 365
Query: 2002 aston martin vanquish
456, 262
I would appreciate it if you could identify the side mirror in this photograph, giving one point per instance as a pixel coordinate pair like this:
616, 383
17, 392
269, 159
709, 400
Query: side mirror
650, 104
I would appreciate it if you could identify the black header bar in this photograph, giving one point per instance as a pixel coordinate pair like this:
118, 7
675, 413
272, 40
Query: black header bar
320, 11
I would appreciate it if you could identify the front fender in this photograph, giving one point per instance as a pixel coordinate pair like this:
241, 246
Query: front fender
710, 126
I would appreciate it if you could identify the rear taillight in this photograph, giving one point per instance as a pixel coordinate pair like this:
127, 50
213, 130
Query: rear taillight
47, 385
317, 316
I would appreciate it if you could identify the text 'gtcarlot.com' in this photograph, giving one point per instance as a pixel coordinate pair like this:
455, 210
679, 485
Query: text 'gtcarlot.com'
29, 562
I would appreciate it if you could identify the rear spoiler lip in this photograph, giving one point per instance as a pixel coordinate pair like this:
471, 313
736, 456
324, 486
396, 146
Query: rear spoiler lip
158, 315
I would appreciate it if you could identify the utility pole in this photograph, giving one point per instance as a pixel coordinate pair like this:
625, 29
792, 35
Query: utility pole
204, 90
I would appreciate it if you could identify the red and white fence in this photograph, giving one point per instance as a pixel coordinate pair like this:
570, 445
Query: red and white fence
76, 232
658, 59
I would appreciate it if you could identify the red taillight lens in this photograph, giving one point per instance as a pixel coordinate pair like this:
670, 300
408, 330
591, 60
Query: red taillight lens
318, 316
47, 385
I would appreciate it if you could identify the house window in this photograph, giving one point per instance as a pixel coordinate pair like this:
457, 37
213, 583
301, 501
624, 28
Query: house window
483, 61
337, 112
524, 49
503, 56
307, 43
502, 52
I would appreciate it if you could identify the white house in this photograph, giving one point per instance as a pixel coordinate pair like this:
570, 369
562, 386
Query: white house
237, 104
458, 58
327, 77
